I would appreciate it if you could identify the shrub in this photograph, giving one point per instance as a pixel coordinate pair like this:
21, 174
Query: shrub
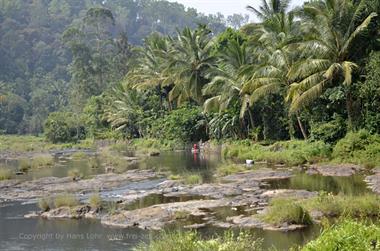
329, 132
95, 201
346, 236
182, 124
358, 148
350, 206
191, 241
24, 165
79, 155
227, 169
286, 211
193, 179
5, 173
291, 153
93, 163
42, 161
61, 127
44, 204
65, 200
75, 174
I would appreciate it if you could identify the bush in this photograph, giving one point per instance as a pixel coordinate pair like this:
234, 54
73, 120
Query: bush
329, 132
61, 127
346, 236
191, 241
344, 205
291, 153
184, 123
358, 148
5, 173
193, 179
44, 204
65, 200
286, 211
95, 201
24, 165
42, 161
75, 174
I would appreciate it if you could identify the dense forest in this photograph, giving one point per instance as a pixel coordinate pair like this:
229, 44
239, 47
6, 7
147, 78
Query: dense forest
131, 69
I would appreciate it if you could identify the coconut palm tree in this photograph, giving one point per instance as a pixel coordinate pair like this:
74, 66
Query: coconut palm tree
328, 51
150, 72
278, 39
190, 59
270, 8
225, 86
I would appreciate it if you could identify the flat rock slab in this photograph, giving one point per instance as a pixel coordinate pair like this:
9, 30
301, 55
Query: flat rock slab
343, 170
299, 194
158, 216
16, 190
259, 175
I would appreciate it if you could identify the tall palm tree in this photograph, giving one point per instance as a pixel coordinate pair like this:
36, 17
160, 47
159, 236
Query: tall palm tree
270, 8
226, 82
278, 39
150, 72
190, 59
328, 51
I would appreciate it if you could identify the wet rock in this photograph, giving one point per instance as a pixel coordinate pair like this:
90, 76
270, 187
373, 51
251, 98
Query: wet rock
32, 215
300, 194
256, 176
158, 216
18, 190
67, 212
342, 170
154, 154
195, 226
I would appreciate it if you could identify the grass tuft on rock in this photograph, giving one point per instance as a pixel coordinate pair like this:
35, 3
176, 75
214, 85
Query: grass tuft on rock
65, 200
5, 173
95, 201
286, 211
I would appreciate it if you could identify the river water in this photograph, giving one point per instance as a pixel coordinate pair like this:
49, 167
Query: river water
18, 233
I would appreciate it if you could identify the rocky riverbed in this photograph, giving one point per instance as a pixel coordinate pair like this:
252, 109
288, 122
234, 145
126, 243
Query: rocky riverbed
235, 200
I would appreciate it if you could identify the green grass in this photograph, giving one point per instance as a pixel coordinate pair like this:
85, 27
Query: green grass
44, 204
65, 200
345, 205
297, 211
191, 241
42, 161
28, 143
95, 201
75, 174
286, 210
347, 235
228, 169
93, 163
24, 164
291, 153
148, 145
79, 155
5, 173
358, 148
193, 179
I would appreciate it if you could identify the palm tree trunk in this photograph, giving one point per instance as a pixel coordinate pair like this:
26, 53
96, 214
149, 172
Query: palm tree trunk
251, 119
301, 126
349, 107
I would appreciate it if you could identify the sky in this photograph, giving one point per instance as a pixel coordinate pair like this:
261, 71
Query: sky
226, 7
